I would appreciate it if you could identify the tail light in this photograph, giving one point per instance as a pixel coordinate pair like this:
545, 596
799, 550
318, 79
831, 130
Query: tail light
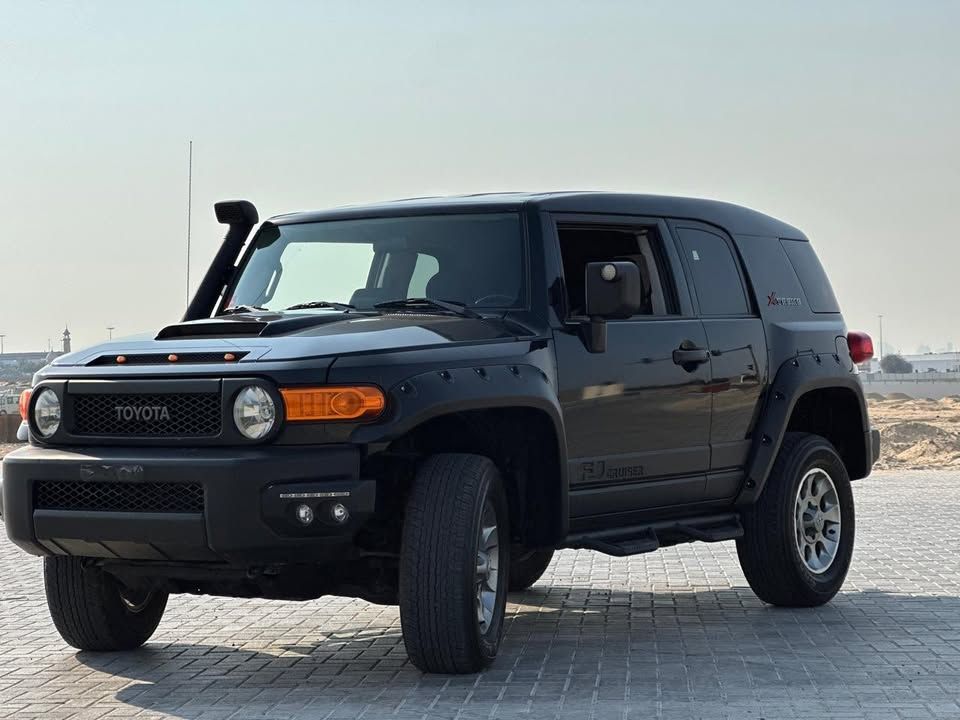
861, 346
25, 404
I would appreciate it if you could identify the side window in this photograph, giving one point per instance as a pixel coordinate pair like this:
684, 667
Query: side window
715, 276
813, 278
424, 269
583, 244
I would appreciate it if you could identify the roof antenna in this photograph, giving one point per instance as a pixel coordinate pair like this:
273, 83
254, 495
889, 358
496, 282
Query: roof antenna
189, 209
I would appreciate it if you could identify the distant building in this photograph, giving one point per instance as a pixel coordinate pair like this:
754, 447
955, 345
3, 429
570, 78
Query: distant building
927, 362
11, 359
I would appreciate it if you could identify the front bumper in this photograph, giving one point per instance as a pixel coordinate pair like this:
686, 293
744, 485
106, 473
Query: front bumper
125, 503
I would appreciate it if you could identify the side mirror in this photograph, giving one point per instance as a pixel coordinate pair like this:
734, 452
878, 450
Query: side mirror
613, 291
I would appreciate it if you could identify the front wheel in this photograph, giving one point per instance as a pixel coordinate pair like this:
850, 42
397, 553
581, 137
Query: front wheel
92, 610
798, 537
454, 564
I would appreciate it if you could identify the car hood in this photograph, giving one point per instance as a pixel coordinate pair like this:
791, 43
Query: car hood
270, 337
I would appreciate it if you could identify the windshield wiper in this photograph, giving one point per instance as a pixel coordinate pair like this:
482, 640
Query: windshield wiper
450, 306
321, 304
234, 309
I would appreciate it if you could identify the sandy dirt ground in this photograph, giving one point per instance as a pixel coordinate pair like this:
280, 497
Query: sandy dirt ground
917, 434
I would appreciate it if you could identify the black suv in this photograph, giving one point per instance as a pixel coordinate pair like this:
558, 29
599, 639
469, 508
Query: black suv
417, 402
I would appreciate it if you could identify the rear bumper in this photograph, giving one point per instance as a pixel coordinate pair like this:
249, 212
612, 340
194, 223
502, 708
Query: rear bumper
185, 505
874, 439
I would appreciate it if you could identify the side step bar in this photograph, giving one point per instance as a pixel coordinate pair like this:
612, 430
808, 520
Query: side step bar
621, 542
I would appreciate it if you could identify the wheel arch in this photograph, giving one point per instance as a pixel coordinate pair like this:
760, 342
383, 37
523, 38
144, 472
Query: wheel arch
814, 394
834, 413
508, 413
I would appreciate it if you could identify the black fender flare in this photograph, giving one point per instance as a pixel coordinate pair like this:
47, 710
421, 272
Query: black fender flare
794, 378
435, 393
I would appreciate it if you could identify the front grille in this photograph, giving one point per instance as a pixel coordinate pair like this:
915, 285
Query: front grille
118, 496
147, 415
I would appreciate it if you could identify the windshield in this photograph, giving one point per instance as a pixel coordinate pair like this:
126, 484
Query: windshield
473, 260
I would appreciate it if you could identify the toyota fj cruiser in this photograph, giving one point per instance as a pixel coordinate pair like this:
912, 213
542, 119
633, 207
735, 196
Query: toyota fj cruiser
417, 402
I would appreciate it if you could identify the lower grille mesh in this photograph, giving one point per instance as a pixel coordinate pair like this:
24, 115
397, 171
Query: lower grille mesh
119, 497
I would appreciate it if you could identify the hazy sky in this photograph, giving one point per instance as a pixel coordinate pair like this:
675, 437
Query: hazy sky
841, 118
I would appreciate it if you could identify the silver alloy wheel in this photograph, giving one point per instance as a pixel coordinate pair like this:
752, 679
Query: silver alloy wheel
488, 565
817, 521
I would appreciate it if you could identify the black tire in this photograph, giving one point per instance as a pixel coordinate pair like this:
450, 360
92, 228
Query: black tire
438, 564
89, 610
527, 566
768, 550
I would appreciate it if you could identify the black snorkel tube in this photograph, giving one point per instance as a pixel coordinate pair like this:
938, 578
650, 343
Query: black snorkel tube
240, 216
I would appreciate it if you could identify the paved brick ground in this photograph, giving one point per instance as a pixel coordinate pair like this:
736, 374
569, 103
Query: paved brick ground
676, 634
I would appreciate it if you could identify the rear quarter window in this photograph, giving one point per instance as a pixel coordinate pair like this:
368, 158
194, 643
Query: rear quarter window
813, 278
714, 271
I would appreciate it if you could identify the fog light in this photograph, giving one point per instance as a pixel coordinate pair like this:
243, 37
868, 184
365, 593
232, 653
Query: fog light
304, 514
339, 513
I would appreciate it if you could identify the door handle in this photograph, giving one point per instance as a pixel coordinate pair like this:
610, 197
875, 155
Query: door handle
690, 356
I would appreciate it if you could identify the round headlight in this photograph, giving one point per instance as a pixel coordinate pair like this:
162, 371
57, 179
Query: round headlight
254, 412
46, 412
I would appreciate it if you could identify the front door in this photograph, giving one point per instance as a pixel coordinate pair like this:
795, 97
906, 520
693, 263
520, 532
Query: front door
638, 415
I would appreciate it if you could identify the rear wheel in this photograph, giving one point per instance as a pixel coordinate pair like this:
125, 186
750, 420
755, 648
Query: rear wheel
528, 566
92, 610
454, 564
798, 538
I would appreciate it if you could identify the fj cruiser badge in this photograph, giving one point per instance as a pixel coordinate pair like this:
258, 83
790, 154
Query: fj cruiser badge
598, 470
146, 413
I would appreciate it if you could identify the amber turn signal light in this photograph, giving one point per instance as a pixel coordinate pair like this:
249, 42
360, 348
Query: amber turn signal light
25, 404
361, 402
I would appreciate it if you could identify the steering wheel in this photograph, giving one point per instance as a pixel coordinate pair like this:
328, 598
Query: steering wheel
483, 300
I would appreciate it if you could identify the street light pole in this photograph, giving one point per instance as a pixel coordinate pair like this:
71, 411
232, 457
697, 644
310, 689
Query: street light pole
880, 317
1, 343
110, 330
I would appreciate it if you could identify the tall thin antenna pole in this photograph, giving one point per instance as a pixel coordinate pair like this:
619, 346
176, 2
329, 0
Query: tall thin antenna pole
189, 210
880, 360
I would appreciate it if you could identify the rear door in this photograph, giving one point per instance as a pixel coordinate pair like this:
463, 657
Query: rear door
738, 356
637, 417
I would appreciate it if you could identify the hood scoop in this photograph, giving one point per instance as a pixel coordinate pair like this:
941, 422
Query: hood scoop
240, 327
230, 326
